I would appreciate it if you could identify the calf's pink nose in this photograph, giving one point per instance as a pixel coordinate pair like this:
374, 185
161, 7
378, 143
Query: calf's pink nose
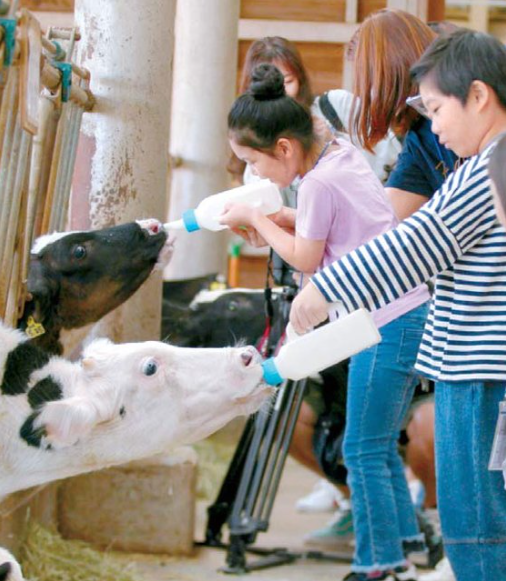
152, 225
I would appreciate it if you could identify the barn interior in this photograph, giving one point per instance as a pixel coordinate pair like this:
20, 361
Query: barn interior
111, 113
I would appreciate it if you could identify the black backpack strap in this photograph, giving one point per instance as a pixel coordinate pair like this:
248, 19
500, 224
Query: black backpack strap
330, 113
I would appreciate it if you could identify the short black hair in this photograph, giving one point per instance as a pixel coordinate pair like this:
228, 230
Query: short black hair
455, 60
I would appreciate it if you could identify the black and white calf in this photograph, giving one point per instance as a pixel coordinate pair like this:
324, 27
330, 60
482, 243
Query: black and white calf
75, 278
9, 567
117, 404
215, 318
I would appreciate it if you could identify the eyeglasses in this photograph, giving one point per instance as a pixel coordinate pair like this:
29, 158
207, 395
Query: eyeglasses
417, 104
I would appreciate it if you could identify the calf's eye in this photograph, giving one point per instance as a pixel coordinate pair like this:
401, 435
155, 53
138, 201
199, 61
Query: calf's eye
79, 252
150, 367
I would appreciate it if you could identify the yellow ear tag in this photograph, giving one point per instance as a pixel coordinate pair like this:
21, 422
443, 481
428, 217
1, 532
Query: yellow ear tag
217, 285
34, 329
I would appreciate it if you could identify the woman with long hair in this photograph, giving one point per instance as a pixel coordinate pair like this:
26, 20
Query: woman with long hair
285, 56
384, 48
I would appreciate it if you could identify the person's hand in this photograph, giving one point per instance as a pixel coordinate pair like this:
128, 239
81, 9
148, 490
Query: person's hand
235, 215
285, 218
309, 308
250, 235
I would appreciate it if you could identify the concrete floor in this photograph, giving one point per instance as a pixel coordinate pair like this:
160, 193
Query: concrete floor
287, 530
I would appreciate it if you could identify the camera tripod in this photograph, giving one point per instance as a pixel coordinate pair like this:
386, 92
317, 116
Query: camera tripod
248, 491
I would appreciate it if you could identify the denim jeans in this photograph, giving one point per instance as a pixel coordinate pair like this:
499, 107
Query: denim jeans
380, 388
471, 499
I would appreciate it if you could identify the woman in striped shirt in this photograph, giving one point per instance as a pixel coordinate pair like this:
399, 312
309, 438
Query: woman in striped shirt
457, 237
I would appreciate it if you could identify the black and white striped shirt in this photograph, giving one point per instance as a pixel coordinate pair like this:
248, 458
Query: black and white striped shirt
457, 237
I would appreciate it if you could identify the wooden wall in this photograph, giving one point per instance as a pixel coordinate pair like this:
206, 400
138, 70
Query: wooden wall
300, 10
48, 5
323, 62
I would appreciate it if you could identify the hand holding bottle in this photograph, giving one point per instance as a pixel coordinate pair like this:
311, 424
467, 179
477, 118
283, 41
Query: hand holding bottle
262, 196
239, 215
309, 309
321, 348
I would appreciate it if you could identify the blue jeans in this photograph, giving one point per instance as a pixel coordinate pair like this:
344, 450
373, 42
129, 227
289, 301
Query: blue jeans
380, 388
471, 499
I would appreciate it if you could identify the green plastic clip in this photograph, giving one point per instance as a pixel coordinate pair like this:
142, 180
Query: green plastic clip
9, 26
60, 53
234, 249
66, 79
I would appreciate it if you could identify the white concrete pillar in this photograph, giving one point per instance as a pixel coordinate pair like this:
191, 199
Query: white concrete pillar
205, 69
122, 164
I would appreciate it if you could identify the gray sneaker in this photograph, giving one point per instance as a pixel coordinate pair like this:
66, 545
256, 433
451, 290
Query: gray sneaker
338, 532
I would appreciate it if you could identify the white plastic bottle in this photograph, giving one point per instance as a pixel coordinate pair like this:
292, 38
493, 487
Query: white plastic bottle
321, 348
262, 194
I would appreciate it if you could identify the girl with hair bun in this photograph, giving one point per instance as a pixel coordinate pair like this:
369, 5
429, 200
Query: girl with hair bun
283, 54
340, 205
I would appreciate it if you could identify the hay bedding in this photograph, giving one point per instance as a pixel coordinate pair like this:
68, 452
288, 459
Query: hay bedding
47, 557
214, 459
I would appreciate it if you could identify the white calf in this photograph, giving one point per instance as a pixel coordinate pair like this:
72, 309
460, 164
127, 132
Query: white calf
119, 403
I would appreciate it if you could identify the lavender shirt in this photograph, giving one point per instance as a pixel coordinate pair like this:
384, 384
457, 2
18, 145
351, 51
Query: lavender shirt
342, 202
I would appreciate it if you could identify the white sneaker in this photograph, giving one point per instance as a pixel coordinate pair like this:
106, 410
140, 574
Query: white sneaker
409, 574
324, 497
443, 572
417, 492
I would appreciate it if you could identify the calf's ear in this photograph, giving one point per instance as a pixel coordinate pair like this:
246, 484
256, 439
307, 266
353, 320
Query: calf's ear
67, 421
94, 355
88, 364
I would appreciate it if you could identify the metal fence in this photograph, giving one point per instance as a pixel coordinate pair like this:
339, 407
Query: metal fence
42, 99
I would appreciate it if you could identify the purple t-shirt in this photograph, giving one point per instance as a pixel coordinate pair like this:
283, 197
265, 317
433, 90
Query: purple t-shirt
342, 202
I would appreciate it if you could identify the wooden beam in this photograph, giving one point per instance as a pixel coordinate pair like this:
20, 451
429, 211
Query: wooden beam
348, 71
436, 10
49, 5
351, 15
336, 32
417, 7
478, 17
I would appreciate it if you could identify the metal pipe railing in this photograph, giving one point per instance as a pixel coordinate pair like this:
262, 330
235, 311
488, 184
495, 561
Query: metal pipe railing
36, 170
